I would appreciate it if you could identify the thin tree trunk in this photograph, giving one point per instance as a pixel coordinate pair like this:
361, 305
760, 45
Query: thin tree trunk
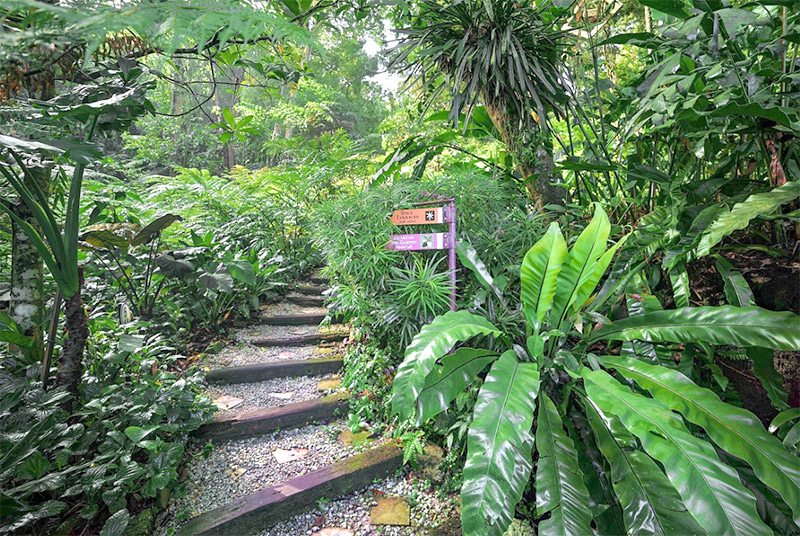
27, 278
70, 366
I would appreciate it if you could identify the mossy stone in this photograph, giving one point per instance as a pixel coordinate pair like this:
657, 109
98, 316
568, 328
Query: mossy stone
141, 524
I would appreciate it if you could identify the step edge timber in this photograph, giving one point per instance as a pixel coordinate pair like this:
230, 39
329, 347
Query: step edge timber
311, 290
268, 506
303, 340
293, 320
274, 369
319, 280
307, 301
259, 421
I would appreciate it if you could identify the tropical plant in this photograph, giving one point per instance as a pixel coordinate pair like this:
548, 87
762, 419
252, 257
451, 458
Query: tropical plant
503, 54
660, 453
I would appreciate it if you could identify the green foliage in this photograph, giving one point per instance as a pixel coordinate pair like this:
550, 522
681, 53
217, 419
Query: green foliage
126, 434
557, 349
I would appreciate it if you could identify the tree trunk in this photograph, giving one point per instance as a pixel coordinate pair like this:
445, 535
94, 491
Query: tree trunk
70, 366
27, 280
534, 163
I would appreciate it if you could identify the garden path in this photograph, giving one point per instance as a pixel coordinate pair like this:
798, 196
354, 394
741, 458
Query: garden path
283, 461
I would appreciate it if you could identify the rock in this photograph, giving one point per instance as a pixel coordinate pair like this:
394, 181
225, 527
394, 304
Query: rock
450, 527
226, 402
328, 385
286, 456
281, 396
141, 524
430, 461
356, 440
390, 511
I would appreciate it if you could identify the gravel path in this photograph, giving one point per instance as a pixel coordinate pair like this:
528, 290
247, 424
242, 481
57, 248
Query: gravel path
286, 308
428, 512
232, 469
258, 332
270, 393
245, 354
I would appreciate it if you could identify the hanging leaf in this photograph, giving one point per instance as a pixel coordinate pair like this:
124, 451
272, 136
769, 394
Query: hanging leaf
737, 326
734, 429
709, 488
737, 291
740, 215
154, 227
499, 447
445, 382
680, 285
470, 259
560, 490
432, 342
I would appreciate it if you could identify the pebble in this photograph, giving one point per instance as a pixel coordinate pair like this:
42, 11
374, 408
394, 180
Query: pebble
262, 394
287, 308
245, 354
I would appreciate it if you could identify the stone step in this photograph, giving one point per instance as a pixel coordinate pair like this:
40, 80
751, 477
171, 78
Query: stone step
306, 301
260, 421
303, 340
252, 513
275, 369
311, 290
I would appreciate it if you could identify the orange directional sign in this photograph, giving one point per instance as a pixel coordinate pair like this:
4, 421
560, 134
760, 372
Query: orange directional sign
418, 216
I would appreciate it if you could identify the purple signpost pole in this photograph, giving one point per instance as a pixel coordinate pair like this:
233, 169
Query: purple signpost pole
451, 257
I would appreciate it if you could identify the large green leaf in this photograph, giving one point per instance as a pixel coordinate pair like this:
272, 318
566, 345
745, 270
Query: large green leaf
539, 272
116, 524
560, 489
650, 505
737, 326
734, 429
740, 215
432, 342
499, 447
710, 489
578, 265
596, 273
445, 382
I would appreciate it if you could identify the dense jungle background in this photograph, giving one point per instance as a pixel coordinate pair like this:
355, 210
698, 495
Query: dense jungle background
625, 354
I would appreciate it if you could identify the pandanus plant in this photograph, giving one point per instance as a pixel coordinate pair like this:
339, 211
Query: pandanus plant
617, 443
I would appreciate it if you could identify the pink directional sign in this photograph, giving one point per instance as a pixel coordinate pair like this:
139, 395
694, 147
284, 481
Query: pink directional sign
411, 242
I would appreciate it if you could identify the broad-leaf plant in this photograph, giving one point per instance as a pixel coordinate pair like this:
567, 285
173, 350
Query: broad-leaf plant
612, 437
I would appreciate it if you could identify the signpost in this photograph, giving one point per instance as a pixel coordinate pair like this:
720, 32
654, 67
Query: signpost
425, 241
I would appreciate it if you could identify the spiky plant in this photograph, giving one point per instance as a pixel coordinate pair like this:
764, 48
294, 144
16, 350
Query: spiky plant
501, 53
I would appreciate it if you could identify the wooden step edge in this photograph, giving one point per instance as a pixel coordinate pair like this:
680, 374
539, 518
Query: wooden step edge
302, 340
293, 320
252, 513
319, 280
260, 421
276, 369
311, 290
306, 301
